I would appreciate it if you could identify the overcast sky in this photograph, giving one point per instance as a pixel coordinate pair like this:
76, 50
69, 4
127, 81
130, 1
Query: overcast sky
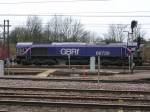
94, 14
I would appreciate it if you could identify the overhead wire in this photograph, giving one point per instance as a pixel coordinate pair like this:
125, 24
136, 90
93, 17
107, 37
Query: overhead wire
78, 14
138, 11
90, 25
146, 16
47, 1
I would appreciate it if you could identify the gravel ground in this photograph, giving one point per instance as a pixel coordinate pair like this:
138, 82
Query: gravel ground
105, 75
77, 85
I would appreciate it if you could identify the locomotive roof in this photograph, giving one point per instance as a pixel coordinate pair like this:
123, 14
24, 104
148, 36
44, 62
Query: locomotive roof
24, 43
72, 44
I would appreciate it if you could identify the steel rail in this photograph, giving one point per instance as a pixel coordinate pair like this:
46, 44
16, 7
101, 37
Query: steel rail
74, 90
95, 98
81, 79
80, 66
71, 104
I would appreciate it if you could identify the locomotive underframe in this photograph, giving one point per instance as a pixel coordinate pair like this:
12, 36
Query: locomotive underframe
74, 60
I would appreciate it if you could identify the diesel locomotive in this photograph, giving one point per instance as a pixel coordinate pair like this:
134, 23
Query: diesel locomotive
78, 53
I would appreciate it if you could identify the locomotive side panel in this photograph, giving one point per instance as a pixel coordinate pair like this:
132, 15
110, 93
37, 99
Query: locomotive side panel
41, 51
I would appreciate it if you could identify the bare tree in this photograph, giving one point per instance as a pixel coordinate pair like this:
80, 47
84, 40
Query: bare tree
48, 32
77, 31
58, 29
138, 33
86, 36
54, 29
65, 29
115, 33
19, 34
34, 28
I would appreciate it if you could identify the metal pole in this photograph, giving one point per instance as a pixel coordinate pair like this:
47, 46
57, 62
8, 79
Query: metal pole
69, 61
8, 38
129, 63
132, 60
4, 32
128, 39
132, 63
98, 67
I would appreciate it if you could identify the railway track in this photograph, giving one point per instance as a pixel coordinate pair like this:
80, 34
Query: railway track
81, 79
75, 98
76, 101
72, 104
72, 90
80, 66
86, 98
71, 97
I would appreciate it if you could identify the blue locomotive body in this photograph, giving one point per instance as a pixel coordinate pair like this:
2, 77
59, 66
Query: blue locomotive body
86, 51
79, 53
